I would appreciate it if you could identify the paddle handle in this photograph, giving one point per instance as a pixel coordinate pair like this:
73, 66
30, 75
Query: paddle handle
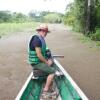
58, 56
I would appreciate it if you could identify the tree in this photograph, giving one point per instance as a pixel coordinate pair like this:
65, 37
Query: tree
52, 18
90, 17
5, 16
19, 17
46, 16
97, 9
82, 15
69, 17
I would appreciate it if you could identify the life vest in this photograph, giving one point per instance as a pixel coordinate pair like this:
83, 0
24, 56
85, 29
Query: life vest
33, 59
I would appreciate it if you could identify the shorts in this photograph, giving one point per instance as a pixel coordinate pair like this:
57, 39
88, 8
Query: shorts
44, 69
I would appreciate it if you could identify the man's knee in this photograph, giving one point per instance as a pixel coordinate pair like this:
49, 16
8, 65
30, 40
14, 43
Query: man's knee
51, 75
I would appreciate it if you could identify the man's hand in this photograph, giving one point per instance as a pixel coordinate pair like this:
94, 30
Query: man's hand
50, 62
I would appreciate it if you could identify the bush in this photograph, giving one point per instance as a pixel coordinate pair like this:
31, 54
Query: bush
52, 18
96, 36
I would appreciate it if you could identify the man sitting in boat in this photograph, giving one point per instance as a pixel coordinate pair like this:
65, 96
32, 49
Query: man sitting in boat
37, 55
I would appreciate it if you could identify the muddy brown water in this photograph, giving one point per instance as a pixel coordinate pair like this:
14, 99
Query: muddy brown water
80, 61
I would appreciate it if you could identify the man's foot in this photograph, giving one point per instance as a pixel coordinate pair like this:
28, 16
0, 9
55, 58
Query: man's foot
33, 77
49, 94
58, 73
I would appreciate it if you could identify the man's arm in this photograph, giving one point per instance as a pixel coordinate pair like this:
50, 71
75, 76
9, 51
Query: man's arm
40, 56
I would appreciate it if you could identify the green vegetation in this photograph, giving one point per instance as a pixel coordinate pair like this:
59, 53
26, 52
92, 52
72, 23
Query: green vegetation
87, 40
14, 22
45, 16
8, 28
68, 18
96, 36
52, 18
84, 16
7, 16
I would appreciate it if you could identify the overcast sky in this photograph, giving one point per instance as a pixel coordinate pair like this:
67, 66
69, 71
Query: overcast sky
25, 6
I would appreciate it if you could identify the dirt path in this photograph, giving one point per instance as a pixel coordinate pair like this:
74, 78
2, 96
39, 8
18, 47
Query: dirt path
81, 62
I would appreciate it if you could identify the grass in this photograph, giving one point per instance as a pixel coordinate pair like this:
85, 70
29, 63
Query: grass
9, 28
88, 41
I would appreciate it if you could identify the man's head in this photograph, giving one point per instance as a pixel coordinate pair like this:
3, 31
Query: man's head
43, 30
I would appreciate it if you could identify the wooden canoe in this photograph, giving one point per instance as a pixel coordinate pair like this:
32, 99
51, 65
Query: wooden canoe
68, 89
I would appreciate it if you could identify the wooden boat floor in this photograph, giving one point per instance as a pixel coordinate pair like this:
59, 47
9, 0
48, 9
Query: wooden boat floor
54, 95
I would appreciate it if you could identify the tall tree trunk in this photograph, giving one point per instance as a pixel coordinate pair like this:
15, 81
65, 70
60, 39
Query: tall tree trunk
87, 11
85, 15
90, 17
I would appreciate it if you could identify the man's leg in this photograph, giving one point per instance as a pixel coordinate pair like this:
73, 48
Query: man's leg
50, 71
48, 82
